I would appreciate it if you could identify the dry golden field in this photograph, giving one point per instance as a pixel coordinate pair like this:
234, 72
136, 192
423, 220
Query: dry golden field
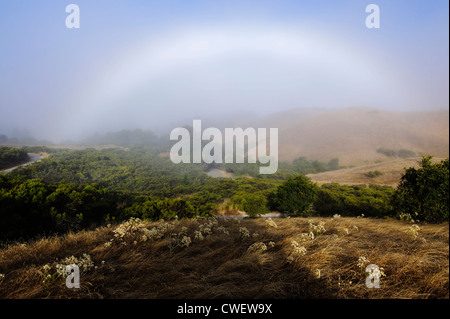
391, 173
353, 135
232, 258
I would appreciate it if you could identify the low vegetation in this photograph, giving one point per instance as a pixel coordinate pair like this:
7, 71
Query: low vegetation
373, 174
74, 190
232, 258
139, 226
402, 153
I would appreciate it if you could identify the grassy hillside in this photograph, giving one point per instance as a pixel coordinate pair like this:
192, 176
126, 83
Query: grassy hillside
354, 134
389, 173
228, 258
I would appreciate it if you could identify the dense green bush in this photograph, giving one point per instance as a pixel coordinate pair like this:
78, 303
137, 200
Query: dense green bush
294, 196
254, 204
32, 207
354, 200
424, 192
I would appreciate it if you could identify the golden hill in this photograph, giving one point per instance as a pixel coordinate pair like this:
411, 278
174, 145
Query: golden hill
390, 172
354, 134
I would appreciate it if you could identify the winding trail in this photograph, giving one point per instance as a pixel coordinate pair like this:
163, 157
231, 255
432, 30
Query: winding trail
32, 158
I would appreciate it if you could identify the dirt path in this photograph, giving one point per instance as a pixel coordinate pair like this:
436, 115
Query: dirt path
33, 158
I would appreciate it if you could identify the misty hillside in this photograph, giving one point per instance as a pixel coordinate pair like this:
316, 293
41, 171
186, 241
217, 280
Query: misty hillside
355, 134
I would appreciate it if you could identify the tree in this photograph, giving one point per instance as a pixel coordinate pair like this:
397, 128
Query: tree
424, 192
294, 196
254, 204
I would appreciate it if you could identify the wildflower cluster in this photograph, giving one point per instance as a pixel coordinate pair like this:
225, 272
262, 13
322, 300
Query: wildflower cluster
222, 230
155, 233
243, 232
258, 248
2, 277
135, 227
317, 229
206, 229
297, 251
376, 272
180, 239
198, 235
270, 223
307, 236
185, 241
413, 232
127, 230
362, 262
84, 263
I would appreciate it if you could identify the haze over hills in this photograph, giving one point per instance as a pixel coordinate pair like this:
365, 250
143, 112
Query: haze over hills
354, 134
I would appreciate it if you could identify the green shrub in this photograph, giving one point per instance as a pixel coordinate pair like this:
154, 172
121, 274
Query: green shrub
354, 200
373, 174
424, 192
294, 196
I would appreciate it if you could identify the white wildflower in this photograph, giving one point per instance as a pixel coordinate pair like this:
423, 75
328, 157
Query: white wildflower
307, 236
362, 262
198, 235
222, 229
297, 251
259, 247
243, 232
317, 229
413, 231
185, 241
270, 223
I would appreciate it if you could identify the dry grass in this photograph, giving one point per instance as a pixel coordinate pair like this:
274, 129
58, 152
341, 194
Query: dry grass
220, 265
354, 134
392, 171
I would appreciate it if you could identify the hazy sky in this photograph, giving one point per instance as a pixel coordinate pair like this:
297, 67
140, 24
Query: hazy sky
148, 64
